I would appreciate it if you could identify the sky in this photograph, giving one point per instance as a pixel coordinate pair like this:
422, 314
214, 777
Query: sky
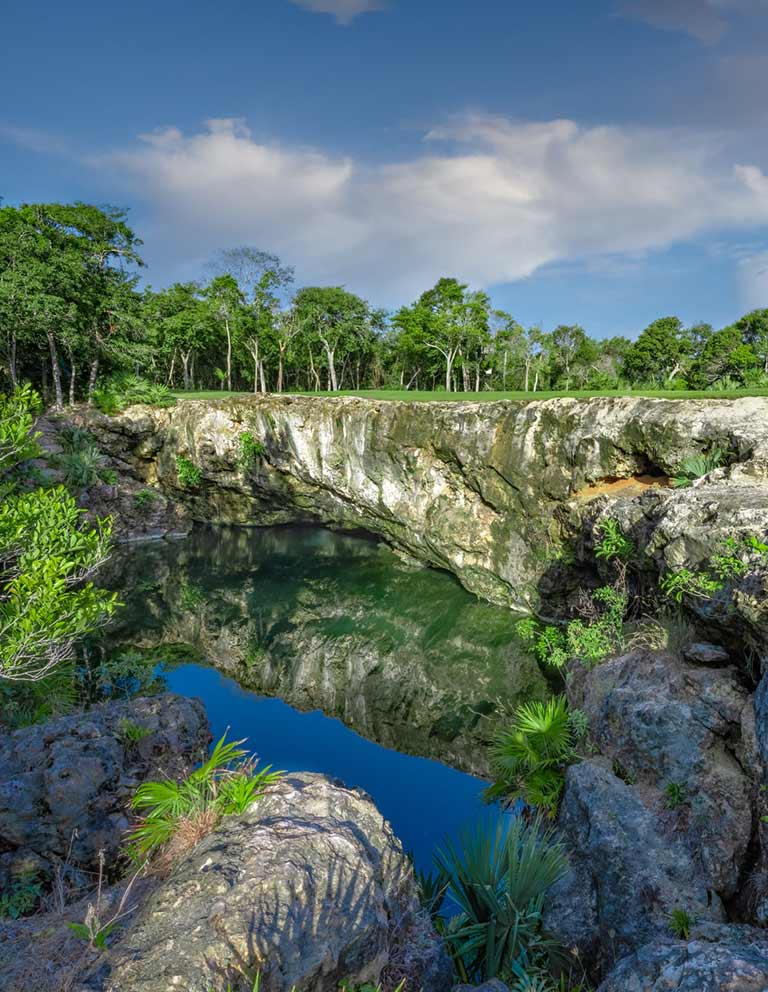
602, 162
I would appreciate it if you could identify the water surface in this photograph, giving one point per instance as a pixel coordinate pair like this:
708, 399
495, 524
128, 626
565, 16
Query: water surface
330, 654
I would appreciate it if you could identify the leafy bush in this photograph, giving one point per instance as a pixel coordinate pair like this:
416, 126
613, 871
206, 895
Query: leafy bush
498, 875
675, 795
528, 759
250, 450
73, 439
226, 783
126, 390
734, 557
81, 468
187, 473
144, 499
613, 544
21, 897
132, 732
697, 466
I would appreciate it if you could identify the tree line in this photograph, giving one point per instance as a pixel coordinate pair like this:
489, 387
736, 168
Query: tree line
73, 313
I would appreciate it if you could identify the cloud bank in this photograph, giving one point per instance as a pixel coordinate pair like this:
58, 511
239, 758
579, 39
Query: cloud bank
489, 200
706, 20
345, 11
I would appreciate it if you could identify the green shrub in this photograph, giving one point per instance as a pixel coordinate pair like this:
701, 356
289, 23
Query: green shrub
250, 450
498, 875
188, 474
21, 898
144, 499
81, 468
132, 732
226, 783
613, 545
73, 439
528, 759
697, 466
126, 390
680, 923
675, 795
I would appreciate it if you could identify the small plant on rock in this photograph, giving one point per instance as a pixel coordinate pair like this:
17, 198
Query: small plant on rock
680, 923
132, 732
697, 466
675, 795
21, 897
613, 544
176, 815
144, 500
250, 450
187, 473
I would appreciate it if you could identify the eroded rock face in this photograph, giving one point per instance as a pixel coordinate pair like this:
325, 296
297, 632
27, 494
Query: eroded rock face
309, 884
665, 723
626, 875
65, 784
477, 488
713, 959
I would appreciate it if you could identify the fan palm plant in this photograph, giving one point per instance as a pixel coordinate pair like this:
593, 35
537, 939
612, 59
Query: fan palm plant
697, 466
528, 758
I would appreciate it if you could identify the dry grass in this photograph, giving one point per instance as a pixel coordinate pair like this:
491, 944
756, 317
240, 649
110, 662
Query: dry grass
187, 835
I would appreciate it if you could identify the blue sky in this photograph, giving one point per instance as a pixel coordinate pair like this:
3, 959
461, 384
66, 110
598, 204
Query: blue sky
597, 162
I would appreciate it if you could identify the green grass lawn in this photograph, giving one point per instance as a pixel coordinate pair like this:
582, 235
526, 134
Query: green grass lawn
442, 397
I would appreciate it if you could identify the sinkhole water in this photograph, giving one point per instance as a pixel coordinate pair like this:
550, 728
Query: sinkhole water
330, 654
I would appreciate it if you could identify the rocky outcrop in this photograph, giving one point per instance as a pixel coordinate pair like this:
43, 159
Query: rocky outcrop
65, 784
626, 874
485, 490
309, 885
668, 725
712, 959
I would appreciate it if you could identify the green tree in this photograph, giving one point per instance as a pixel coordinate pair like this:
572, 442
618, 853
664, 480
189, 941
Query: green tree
339, 320
48, 555
753, 327
659, 353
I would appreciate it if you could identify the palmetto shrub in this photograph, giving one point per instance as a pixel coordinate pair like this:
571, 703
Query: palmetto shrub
697, 466
176, 815
497, 875
528, 758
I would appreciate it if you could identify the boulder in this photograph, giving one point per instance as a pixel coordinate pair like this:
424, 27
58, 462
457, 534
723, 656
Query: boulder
627, 874
713, 959
309, 885
704, 653
665, 723
65, 784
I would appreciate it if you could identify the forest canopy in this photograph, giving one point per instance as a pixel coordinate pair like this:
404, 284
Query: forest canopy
74, 314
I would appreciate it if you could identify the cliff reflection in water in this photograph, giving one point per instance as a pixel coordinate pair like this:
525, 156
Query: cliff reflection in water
401, 654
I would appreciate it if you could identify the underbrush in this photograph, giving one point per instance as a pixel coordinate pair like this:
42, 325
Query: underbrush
123, 391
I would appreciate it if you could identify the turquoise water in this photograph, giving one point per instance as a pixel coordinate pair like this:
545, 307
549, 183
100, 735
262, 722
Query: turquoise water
329, 654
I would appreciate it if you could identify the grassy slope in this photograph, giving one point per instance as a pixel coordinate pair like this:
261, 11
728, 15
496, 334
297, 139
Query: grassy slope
421, 397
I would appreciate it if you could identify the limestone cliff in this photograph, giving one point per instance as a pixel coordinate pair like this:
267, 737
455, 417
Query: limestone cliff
488, 491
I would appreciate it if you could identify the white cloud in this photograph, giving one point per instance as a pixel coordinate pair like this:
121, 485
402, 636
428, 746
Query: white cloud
707, 20
753, 273
345, 11
491, 201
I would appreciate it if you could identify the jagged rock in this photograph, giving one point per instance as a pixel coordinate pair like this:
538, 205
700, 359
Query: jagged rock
65, 784
481, 489
662, 721
310, 884
713, 959
704, 653
626, 873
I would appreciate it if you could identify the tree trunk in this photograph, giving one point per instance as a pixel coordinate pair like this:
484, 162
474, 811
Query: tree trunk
527, 373
229, 356
315, 376
280, 371
185, 369
92, 376
333, 382
55, 371
465, 376
504, 372
477, 378
71, 378
12, 362
262, 380
448, 370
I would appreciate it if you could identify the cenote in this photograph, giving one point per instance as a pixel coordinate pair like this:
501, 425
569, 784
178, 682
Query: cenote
330, 654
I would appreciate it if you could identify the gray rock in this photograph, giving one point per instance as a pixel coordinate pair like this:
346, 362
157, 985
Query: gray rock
704, 653
65, 784
627, 873
310, 884
662, 721
713, 959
